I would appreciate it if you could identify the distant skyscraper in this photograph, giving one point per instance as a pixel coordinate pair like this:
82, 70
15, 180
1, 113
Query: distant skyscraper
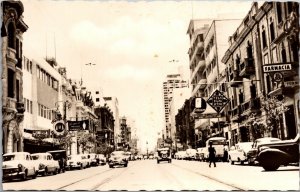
173, 81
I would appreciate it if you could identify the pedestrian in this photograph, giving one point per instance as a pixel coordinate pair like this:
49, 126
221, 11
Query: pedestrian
211, 154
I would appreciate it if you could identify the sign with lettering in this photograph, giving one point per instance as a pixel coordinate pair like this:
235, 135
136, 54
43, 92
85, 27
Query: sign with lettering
217, 101
78, 125
198, 105
42, 134
277, 67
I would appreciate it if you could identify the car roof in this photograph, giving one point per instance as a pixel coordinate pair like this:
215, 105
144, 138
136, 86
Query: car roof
268, 139
14, 153
40, 154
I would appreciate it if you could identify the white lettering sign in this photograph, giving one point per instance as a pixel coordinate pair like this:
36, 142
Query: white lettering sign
274, 68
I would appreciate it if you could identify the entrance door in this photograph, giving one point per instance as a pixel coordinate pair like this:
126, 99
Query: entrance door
290, 122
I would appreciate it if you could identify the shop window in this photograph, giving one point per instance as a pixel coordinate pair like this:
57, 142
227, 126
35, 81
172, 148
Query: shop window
249, 50
268, 82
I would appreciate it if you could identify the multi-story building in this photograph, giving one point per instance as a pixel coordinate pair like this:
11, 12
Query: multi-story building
262, 64
179, 96
113, 104
173, 81
12, 31
208, 43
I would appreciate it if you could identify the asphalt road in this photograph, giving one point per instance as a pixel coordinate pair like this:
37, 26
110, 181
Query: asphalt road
179, 175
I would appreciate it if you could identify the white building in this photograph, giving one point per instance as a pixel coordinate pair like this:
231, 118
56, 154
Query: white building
173, 81
113, 104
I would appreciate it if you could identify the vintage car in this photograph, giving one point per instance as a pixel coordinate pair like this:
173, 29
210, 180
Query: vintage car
46, 163
238, 153
18, 165
61, 157
272, 155
94, 158
77, 161
118, 158
191, 154
164, 154
88, 158
180, 155
102, 159
200, 155
252, 153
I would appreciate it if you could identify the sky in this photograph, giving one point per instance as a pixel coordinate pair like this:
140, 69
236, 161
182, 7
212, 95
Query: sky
131, 43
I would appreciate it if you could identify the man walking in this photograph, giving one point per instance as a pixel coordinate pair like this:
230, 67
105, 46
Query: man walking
211, 154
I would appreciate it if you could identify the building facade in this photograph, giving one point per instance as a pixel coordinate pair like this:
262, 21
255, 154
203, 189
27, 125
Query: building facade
12, 31
173, 81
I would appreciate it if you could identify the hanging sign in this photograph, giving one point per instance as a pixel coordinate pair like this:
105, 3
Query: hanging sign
59, 128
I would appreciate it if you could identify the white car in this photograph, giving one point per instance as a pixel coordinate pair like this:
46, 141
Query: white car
181, 155
46, 163
18, 165
191, 154
102, 159
238, 153
77, 161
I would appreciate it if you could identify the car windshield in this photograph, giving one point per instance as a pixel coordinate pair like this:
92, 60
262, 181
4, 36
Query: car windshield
73, 157
12, 157
39, 157
117, 153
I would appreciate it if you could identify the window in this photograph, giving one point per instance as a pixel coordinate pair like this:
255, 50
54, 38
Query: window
97, 92
30, 67
97, 99
264, 38
11, 35
283, 54
272, 31
279, 13
30, 107
10, 83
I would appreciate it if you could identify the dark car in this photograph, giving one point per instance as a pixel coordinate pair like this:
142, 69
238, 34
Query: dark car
118, 158
61, 157
252, 153
272, 155
164, 154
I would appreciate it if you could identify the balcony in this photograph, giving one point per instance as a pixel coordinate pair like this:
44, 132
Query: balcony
20, 107
250, 106
236, 80
11, 104
11, 56
247, 68
289, 88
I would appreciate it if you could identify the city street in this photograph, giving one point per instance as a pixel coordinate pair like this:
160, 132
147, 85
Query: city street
179, 175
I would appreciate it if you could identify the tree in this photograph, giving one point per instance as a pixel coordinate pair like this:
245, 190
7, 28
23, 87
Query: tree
85, 140
274, 109
65, 141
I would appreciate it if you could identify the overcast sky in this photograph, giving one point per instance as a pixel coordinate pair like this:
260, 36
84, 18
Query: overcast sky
122, 39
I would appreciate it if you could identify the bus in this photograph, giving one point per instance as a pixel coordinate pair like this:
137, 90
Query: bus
218, 143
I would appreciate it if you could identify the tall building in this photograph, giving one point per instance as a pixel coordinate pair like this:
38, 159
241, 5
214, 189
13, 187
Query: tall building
178, 99
113, 104
173, 81
12, 31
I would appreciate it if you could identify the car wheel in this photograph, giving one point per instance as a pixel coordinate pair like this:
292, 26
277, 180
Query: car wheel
24, 176
35, 174
250, 162
230, 160
157, 162
45, 172
125, 165
55, 171
81, 167
271, 167
242, 162
111, 166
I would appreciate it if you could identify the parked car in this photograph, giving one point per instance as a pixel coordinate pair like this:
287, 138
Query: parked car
18, 165
102, 159
118, 158
46, 163
191, 154
94, 159
272, 155
252, 153
77, 161
151, 156
164, 154
181, 155
238, 153
139, 157
61, 157
200, 155
88, 158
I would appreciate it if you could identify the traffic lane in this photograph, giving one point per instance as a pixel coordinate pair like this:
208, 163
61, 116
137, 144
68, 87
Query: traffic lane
53, 182
148, 175
245, 176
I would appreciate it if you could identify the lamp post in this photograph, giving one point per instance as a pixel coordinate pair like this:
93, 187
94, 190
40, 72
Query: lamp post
196, 133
